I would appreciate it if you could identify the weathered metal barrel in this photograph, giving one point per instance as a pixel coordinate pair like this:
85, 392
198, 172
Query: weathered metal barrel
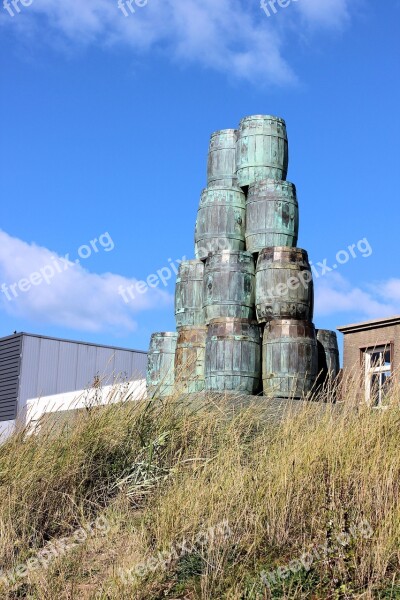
160, 364
290, 358
284, 285
221, 221
190, 359
222, 158
272, 217
229, 283
233, 356
189, 294
328, 354
261, 150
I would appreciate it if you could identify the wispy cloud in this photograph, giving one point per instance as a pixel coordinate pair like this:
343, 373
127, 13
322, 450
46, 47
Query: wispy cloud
228, 36
328, 13
389, 289
337, 296
75, 297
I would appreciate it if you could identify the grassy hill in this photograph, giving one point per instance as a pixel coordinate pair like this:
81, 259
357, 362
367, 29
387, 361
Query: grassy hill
243, 499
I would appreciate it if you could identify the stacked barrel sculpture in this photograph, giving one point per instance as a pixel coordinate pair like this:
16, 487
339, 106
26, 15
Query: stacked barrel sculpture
244, 306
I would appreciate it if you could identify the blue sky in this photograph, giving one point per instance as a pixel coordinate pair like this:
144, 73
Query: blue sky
104, 135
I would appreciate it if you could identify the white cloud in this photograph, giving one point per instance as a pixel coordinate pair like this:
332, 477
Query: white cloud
389, 289
331, 13
336, 295
87, 301
75, 297
229, 36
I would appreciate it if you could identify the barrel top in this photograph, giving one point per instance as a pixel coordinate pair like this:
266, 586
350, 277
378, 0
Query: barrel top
327, 336
279, 322
192, 261
231, 253
228, 320
223, 132
283, 249
270, 183
288, 328
326, 332
185, 328
221, 187
261, 118
164, 334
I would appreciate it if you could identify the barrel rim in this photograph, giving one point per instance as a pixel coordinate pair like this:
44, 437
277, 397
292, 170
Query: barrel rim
318, 330
259, 117
223, 187
283, 248
164, 334
268, 180
232, 320
219, 131
246, 336
290, 322
182, 328
232, 252
190, 261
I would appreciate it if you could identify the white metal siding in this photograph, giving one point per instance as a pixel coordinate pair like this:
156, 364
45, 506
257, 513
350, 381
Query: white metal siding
67, 367
139, 365
105, 365
10, 362
86, 367
123, 365
57, 374
49, 351
56, 366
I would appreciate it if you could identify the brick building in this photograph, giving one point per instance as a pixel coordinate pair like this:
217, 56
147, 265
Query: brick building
372, 353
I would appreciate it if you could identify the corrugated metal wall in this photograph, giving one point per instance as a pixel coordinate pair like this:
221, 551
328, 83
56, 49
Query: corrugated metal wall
51, 366
10, 363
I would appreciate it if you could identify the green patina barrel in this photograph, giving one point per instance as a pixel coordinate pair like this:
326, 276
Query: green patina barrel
284, 285
190, 359
160, 364
272, 217
189, 294
328, 355
221, 221
221, 168
233, 356
262, 149
229, 283
290, 358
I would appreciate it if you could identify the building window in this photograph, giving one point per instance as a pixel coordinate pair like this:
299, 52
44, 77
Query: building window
378, 371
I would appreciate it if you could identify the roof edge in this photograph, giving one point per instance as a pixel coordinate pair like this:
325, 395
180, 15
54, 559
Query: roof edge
55, 339
364, 326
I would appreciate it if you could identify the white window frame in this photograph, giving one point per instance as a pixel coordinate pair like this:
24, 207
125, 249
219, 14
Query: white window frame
370, 371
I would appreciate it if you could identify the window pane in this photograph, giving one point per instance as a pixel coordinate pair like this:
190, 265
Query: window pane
375, 389
386, 387
376, 359
387, 362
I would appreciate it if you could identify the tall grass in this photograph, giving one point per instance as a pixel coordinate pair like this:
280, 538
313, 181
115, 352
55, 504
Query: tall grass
286, 476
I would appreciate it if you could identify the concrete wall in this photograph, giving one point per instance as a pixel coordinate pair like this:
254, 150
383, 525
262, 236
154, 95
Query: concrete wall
355, 342
36, 407
7, 428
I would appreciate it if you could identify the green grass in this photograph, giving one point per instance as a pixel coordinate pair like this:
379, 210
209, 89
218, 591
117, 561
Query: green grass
286, 477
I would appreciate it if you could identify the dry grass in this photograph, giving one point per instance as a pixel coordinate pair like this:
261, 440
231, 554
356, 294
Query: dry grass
286, 477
